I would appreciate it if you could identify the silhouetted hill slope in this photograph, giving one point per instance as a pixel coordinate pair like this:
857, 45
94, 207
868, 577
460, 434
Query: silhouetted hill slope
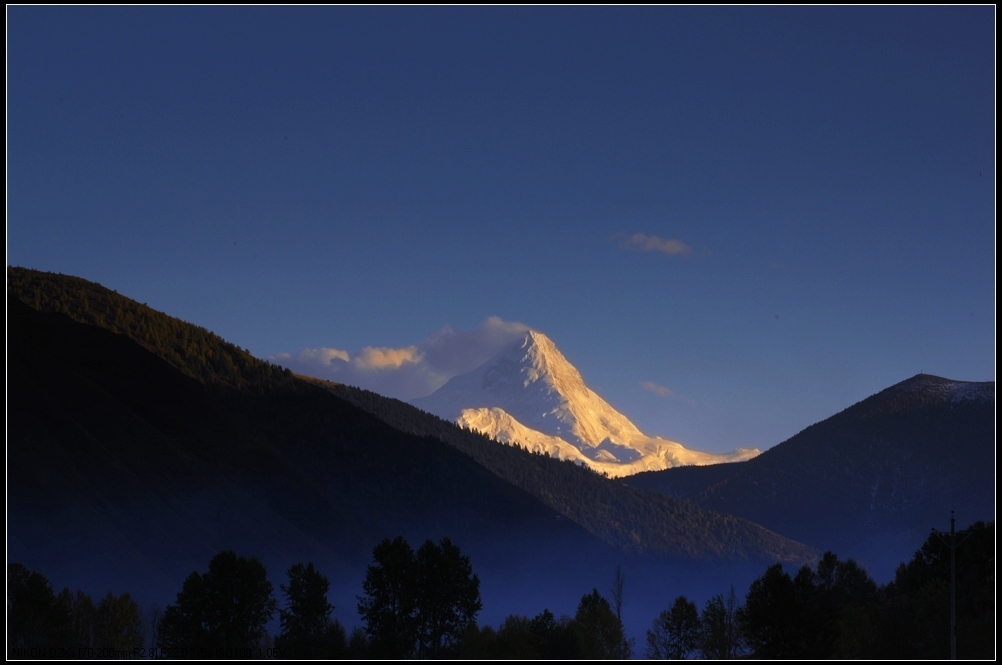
193, 350
637, 521
123, 471
868, 482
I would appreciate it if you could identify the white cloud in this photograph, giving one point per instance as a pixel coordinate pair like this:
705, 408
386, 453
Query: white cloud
372, 357
645, 243
410, 371
657, 388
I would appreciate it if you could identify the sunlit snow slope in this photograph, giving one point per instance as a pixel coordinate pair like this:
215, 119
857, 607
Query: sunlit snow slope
530, 394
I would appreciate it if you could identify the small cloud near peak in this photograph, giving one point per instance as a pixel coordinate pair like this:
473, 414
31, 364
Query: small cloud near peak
373, 357
657, 388
642, 242
499, 326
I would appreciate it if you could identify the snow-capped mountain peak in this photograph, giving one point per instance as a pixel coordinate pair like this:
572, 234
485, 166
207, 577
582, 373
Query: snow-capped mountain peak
530, 394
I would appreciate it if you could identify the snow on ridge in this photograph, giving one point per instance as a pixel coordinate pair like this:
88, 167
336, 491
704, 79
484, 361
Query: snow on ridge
965, 391
663, 454
950, 390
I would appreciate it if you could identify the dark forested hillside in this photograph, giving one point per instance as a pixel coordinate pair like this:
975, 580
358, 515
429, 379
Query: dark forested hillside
125, 472
193, 350
290, 441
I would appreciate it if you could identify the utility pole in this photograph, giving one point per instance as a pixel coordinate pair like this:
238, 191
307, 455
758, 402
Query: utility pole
953, 588
952, 544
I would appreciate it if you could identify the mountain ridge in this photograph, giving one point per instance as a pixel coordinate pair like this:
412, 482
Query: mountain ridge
868, 480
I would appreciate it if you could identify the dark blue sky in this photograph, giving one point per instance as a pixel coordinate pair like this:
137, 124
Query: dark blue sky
734, 221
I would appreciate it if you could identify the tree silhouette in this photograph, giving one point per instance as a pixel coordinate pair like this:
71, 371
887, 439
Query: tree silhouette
448, 596
418, 604
803, 617
554, 638
119, 623
387, 608
308, 632
83, 617
600, 634
675, 633
836, 585
769, 618
221, 613
35, 619
720, 635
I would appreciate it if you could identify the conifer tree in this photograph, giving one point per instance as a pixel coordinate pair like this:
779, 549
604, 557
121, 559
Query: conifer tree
308, 631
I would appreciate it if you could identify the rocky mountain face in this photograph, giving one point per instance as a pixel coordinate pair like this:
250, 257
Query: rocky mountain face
531, 395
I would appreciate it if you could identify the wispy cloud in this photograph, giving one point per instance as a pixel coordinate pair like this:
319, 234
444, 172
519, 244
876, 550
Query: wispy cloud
657, 388
642, 242
410, 371
323, 356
